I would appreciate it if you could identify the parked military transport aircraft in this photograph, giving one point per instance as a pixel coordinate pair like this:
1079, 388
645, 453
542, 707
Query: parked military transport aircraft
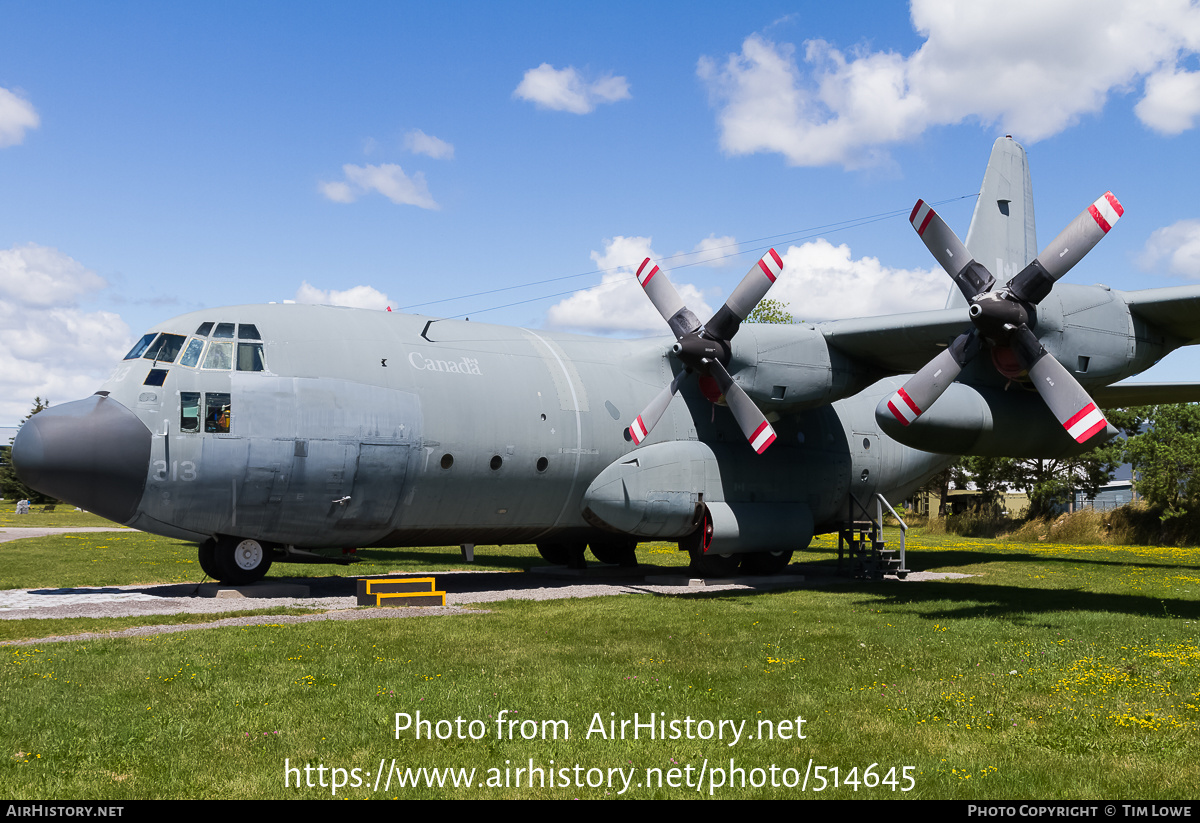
261, 432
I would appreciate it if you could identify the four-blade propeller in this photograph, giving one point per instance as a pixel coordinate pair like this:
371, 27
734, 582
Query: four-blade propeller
1002, 319
705, 349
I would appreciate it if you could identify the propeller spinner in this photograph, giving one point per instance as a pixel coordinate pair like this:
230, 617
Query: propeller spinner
705, 349
1001, 318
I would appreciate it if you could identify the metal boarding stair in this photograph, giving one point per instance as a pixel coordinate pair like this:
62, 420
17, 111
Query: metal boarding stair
862, 550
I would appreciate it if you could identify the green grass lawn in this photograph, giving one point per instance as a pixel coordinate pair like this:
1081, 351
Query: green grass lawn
1053, 672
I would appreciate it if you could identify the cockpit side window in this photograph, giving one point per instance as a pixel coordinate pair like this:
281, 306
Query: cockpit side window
248, 331
216, 412
140, 346
165, 348
189, 411
250, 357
224, 331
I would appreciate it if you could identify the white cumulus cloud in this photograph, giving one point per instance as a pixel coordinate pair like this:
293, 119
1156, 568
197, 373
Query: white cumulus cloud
1177, 245
1172, 101
1035, 68
49, 347
567, 90
418, 142
387, 179
358, 297
821, 281
619, 304
17, 115
714, 251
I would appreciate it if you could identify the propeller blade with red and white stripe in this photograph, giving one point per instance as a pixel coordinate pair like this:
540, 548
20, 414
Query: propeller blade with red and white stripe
666, 299
753, 288
640, 428
1080, 236
1068, 401
750, 419
927, 385
972, 278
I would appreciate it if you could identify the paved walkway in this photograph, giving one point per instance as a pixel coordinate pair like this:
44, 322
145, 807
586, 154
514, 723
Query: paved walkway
14, 533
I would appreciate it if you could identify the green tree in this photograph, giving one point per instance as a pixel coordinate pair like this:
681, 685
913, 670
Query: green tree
10, 486
1050, 483
1165, 457
770, 311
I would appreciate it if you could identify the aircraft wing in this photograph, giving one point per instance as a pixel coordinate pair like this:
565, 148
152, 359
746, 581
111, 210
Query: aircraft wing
896, 342
1174, 310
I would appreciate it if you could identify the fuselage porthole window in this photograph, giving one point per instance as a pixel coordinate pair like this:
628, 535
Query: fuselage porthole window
204, 329
191, 355
224, 331
141, 346
220, 356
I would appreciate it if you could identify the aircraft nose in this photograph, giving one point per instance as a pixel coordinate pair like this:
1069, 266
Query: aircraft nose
93, 453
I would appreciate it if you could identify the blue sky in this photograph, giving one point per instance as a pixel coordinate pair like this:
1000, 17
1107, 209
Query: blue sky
159, 158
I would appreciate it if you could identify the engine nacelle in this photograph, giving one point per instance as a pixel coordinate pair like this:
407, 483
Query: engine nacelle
676, 491
740, 528
987, 421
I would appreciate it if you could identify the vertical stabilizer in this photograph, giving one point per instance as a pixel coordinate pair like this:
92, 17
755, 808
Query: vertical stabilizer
1002, 234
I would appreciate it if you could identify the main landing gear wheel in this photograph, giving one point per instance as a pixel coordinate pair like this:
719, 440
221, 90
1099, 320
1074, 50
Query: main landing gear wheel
765, 562
208, 559
616, 551
714, 565
563, 554
239, 562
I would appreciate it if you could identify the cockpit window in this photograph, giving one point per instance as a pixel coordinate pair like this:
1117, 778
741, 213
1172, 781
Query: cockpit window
250, 357
204, 329
191, 355
248, 331
140, 346
224, 331
165, 348
220, 356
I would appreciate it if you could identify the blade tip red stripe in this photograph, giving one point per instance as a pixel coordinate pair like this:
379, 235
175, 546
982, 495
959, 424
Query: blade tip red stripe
897, 414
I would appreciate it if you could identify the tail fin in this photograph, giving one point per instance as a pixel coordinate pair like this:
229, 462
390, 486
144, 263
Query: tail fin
1002, 234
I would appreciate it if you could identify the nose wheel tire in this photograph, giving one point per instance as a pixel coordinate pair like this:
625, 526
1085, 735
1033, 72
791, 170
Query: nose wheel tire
239, 562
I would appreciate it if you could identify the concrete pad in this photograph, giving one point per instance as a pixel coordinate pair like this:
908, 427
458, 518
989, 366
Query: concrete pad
263, 589
601, 570
758, 581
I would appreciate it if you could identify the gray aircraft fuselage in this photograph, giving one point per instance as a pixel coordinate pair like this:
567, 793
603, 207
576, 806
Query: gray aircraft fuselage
254, 428
360, 431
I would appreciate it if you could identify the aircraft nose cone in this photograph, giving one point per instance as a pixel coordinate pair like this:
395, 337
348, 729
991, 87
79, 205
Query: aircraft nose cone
93, 453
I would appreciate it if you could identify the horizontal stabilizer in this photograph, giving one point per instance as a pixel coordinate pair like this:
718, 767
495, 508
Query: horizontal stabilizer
1125, 395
